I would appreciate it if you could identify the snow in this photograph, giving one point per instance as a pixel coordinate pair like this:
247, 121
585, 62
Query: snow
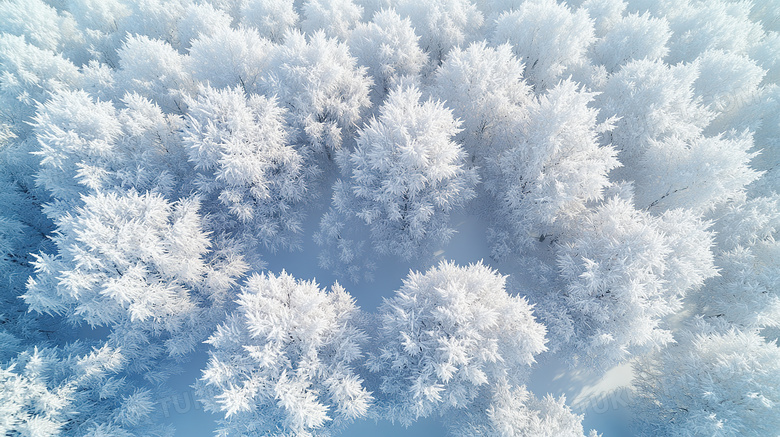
620, 146
602, 400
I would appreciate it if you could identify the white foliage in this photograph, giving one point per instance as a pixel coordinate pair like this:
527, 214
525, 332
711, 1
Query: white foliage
548, 38
136, 263
660, 137
98, 15
442, 24
614, 268
711, 384
389, 48
230, 7
156, 19
99, 21
320, 84
98, 80
493, 8
87, 146
759, 114
704, 25
272, 18
342, 251
633, 37
155, 70
200, 19
28, 75
748, 223
40, 24
546, 179
691, 260
767, 13
241, 146
75, 133
726, 80
73, 391
281, 364
695, 174
515, 412
28, 406
152, 154
405, 175
228, 57
766, 53
653, 101
448, 336
162, 149
605, 14
746, 293
485, 89
334, 17
11, 232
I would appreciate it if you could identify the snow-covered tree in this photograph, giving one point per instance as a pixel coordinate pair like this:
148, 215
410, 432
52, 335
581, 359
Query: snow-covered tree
745, 295
228, 57
152, 151
28, 74
447, 337
740, 77
604, 13
18, 214
29, 407
662, 146
715, 384
405, 175
691, 261
74, 391
44, 27
272, 18
729, 83
137, 264
548, 37
99, 22
622, 278
77, 136
231, 7
153, 157
653, 102
253, 176
547, 178
442, 24
200, 19
633, 37
389, 48
336, 18
23, 230
699, 26
344, 252
320, 84
156, 19
515, 412
696, 174
485, 89
85, 145
155, 70
282, 364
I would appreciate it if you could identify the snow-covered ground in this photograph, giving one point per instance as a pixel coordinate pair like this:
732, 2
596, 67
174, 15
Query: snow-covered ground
602, 400
627, 158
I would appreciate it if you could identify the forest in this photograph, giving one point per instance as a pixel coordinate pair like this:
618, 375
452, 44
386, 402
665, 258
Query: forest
488, 187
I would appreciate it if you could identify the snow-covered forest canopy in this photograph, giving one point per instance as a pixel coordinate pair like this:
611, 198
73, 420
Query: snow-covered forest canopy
158, 158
